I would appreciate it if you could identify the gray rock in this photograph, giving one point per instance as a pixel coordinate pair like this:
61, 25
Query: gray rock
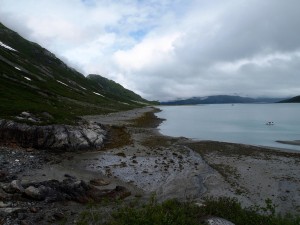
218, 221
4, 196
8, 210
25, 114
59, 137
99, 182
4, 205
34, 193
16, 186
48, 115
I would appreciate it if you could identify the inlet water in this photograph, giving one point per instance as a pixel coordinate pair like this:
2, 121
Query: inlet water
238, 123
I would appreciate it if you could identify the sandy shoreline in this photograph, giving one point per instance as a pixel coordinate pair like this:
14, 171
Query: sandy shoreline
146, 162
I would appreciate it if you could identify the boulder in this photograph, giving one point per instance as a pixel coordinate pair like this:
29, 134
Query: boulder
99, 182
56, 137
218, 221
3, 175
15, 187
34, 193
4, 196
72, 190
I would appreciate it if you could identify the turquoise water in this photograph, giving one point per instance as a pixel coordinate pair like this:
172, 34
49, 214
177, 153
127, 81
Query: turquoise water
238, 123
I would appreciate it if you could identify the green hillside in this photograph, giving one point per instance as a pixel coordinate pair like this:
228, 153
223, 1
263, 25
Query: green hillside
34, 80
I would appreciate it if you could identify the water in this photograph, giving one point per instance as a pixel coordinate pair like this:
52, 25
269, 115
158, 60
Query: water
238, 123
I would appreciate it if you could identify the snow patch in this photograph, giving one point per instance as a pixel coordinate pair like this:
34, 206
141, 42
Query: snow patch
143, 103
27, 78
96, 93
17, 68
7, 47
123, 103
62, 83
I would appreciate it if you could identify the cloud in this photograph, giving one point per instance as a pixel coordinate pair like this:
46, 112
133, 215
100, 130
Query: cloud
169, 49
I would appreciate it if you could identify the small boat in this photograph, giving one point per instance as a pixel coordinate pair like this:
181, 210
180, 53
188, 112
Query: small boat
270, 123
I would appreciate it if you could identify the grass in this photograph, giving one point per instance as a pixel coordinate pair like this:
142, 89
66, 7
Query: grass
173, 212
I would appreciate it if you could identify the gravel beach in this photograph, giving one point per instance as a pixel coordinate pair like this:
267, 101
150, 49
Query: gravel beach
137, 157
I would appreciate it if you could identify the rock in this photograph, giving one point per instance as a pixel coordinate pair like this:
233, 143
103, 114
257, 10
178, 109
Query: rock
58, 137
33, 210
119, 192
6, 211
25, 114
79, 191
32, 120
70, 176
4, 196
34, 193
3, 175
58, 215
15, 187
48, 115
4, 205
99, 182
24, 222
218, 221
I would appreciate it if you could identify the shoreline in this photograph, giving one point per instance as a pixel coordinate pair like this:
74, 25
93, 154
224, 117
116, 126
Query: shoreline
138, 157
229, 176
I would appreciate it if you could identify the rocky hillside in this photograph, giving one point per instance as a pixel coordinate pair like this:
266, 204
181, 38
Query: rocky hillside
37, 87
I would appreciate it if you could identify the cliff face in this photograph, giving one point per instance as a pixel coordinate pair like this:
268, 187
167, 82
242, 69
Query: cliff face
53, 137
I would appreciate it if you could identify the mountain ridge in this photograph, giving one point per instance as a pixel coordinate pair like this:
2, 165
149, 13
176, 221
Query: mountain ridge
220, 99
295, 99
34, 80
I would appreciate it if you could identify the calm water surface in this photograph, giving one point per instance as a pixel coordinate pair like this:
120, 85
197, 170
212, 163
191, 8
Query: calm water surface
238, 123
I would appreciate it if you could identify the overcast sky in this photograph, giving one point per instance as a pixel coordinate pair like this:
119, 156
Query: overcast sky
166, 49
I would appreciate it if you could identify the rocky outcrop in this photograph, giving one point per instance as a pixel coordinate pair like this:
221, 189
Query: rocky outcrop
66, 190
58, 137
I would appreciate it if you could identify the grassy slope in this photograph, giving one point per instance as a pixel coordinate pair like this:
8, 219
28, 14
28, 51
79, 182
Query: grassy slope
44, 93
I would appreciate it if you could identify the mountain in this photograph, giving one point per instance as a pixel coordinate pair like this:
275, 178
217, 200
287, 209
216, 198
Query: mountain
292, 100
220, 99
33, 80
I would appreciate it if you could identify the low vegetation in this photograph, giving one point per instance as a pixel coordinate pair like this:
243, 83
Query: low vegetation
147, 120
173, 212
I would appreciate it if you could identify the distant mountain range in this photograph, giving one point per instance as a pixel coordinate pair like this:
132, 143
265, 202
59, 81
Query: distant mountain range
33, 80
221, 99
292, 100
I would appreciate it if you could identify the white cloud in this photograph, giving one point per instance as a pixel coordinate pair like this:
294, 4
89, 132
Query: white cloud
151, 51
169, 49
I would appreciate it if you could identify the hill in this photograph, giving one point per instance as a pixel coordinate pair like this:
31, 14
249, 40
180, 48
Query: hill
292, 100
220, 99
33, 80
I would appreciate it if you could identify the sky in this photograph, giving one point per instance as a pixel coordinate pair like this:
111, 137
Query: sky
169, 49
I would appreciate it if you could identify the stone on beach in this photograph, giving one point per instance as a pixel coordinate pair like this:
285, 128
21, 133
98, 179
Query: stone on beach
58, 137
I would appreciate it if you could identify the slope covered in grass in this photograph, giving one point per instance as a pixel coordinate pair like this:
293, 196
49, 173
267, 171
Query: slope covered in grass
33, 79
